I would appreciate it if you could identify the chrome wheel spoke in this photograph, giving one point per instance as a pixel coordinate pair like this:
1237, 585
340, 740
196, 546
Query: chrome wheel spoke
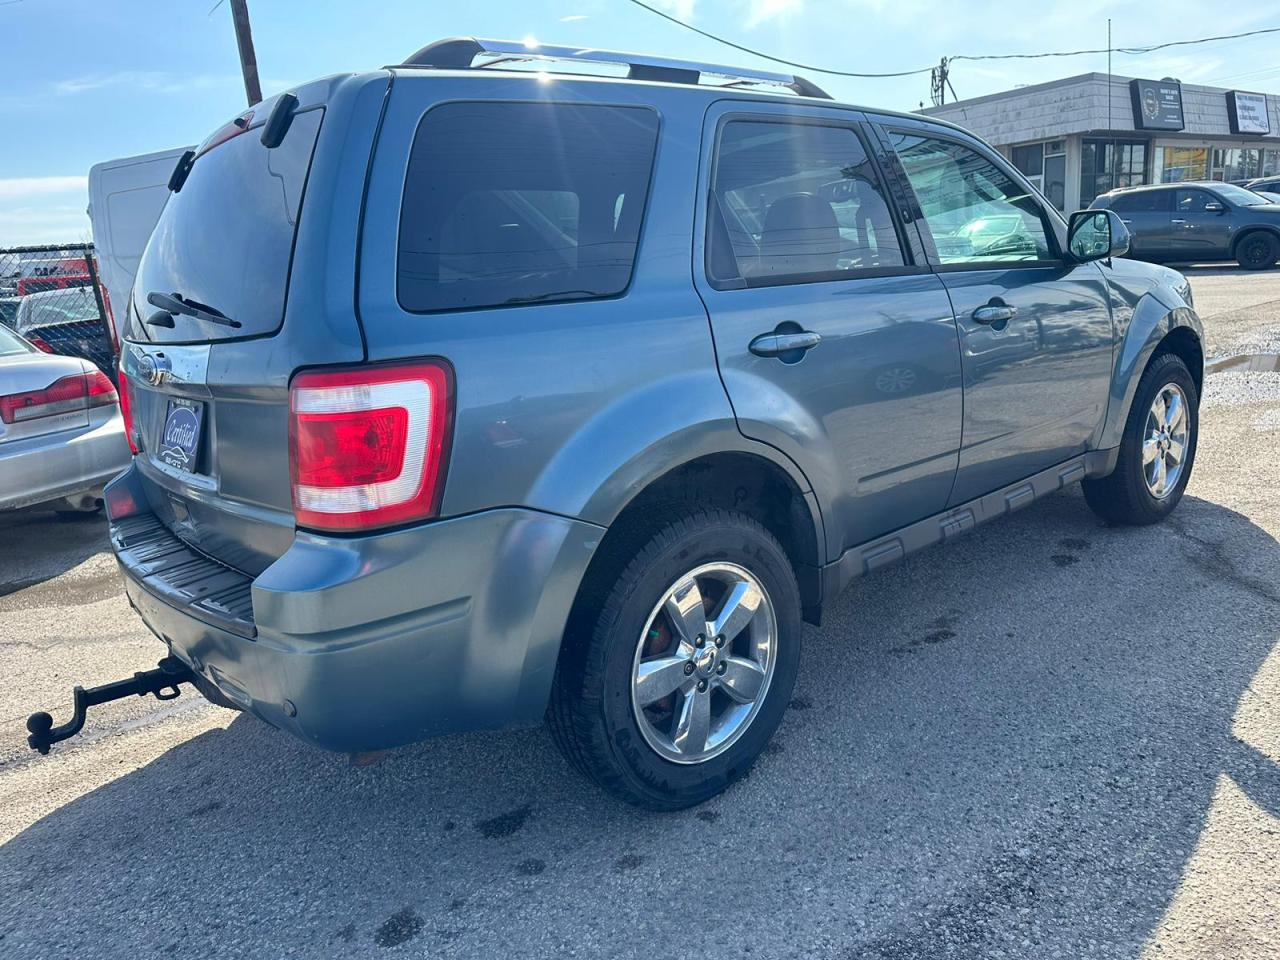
693, 723
1158, 409
742, 679
736, 611
1175, 452
1150, 450
1174, 412
659, 678
1162, 475
686, 611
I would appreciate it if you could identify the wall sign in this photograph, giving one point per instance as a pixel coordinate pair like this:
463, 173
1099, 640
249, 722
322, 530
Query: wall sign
1157, 104
1247, 112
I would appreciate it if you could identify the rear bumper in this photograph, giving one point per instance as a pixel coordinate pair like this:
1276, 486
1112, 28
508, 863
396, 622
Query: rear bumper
362, 643
39, 469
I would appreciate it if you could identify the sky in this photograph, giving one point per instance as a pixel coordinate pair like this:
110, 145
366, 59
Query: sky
83, 81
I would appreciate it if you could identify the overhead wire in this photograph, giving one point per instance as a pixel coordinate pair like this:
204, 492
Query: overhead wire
1128, 51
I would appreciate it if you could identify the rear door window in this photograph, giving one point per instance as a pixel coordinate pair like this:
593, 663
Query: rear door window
1142, 201
796, 202
516, 203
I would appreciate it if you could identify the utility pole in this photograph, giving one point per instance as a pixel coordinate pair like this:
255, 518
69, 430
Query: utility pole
248, 59
1111, 137
940, 83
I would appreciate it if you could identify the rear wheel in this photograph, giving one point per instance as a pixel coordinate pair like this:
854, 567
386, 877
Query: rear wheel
1157, 451
1258, 250
688, 667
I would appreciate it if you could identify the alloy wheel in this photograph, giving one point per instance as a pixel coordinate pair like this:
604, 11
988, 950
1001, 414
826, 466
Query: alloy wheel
704, 662
1164, 445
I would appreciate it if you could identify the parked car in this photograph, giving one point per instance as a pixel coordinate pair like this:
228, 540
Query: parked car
61, 432
67, 321
465, 396
1198, 222
8, 310
1264, 183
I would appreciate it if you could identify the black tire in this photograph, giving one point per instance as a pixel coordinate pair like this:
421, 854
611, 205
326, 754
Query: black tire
1122, 497
591, 714
1258, 250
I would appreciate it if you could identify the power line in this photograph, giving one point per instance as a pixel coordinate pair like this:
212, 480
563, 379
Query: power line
1129, 51
768, 56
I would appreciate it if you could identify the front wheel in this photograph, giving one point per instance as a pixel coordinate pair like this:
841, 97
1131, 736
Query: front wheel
1157, 450
689, 667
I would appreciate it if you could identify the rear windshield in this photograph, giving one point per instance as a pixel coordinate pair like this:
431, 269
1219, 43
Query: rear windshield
225, 240
510, 203
11, 346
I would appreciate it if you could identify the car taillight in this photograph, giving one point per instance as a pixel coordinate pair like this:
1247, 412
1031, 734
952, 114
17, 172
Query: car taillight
367, 445
80, 391
40, 343
126, 411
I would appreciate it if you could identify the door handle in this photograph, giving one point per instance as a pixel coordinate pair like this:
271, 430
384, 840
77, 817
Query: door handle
775, 344
995, 313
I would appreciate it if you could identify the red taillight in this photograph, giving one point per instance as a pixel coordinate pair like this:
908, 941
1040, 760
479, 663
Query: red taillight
40, 344
80, 391
367, 445
126, 411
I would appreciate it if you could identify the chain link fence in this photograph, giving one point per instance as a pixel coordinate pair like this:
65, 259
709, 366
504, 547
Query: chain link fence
52, 296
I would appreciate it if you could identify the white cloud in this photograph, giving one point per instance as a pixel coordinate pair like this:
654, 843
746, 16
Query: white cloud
681, 9
573, 18
762, 11
152, 80
23, 188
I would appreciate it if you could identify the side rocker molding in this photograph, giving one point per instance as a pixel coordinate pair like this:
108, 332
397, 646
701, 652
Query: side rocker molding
861, 560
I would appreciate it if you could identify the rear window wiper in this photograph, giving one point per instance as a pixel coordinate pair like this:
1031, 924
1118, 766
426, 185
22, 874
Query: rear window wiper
175, 304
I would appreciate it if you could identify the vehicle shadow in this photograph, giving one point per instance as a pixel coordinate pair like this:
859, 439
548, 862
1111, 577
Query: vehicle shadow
1009, 744
37, 545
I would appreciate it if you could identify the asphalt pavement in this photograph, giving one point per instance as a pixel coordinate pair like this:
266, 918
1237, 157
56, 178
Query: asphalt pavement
1048, 739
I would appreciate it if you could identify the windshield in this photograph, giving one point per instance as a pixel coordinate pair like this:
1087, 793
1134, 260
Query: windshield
1239, 195
225, 240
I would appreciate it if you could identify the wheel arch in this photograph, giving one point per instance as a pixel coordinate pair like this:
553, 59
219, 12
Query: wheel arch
745, 480
1153, 328
1252, 229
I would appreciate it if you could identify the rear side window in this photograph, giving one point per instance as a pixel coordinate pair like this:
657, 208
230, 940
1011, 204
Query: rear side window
796, 202
1143, 201
511, 203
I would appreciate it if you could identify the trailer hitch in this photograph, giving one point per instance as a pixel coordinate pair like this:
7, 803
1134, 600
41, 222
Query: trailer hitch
162, 683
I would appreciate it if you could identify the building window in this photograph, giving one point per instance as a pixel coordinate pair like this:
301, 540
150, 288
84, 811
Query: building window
1109, 164
1045, 165
1179, 164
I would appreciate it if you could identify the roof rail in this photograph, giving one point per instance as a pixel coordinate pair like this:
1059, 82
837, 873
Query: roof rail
460, 53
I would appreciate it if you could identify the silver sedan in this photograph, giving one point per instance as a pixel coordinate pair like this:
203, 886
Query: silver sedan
61, 433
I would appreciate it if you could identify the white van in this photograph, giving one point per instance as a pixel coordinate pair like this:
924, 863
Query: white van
125, 200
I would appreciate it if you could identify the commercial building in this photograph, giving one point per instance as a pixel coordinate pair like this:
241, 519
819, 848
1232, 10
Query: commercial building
1085, 135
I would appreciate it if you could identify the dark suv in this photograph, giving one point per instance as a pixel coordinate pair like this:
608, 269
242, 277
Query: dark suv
464, 396
1197, 223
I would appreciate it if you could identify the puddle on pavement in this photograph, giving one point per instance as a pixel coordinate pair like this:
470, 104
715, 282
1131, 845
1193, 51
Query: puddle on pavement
1246, 363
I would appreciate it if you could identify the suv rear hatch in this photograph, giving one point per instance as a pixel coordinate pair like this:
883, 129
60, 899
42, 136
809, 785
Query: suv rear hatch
241, 284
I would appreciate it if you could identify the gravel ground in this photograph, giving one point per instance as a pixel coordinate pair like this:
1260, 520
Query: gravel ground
1050, 739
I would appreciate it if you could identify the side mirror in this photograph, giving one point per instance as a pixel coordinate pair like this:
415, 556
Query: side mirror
1097, 235
1214, 207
